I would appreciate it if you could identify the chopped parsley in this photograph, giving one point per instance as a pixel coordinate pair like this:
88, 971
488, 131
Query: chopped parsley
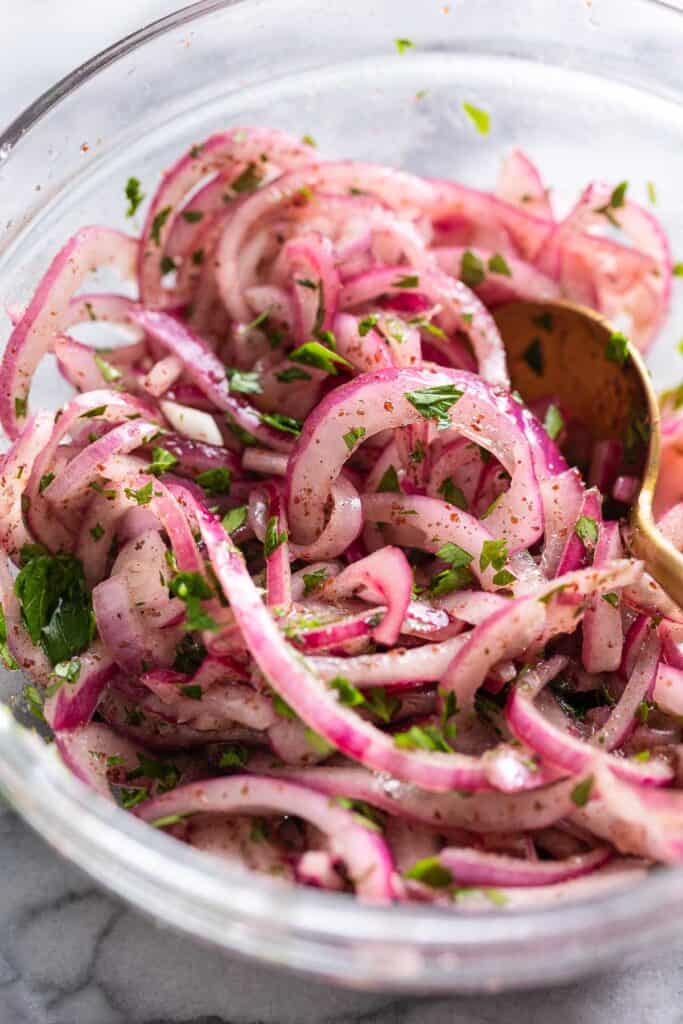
309, 140
245, 382
234, 757
382, 704
452, 494
408, 281
55, 603
612, 599
158, 223
287, 424
347, 693
162, 461
92, 414
582, 791
235, 518
197, 257
189, 654
45, 481
192, 589
423, 737
430, 871
454, 554
586, 530
192, 690
313, 580
434, 403
352, 436
248, 181
109, 372
403, 44
215, 481
389, 483
367, 323
291, 374
493, 553
167, 264
652, 192
192, 216
615, 202
677, 269
479, 118
616, 349
142, 496
282, 708
20, 407
273, 538
448, 580
5, 655
498, 265
312, 353
553, 422
133, 195
472, 271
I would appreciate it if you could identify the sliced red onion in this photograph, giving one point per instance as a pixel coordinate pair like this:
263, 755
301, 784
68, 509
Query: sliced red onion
74, 704
364, 853
474, 867
602, 629
385, 577
520, 183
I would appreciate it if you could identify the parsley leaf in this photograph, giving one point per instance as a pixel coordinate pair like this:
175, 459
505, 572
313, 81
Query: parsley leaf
248, 181
454, 554
234, 757
348, 694
235, 518
479, 118
389, 482
408, 281
158, 223
292, 373
317, 355
472, 271
382, 704
352, 436
245, 382
273, 539
553, 422
192, 690
142, 496
612, 599
582, 791
215, 481
433, 403
448, 580
133, 195
20, 407
423, 737
430, 872
494, 553
452, 494
45, 481
192, 589
5, 655
616, 349
55, 603
586, 530
192, 216
313, 580
162, 461
403, 44
498, 265
287, 424
367, 323
189, 654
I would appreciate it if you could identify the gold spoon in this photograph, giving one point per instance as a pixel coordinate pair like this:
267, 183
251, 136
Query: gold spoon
560, 349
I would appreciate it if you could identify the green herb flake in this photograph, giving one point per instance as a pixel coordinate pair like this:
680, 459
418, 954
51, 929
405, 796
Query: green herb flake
192, 216
92, 414
454, 554
158, 223
248, 181
109, 373
382, 704
643, 756
677, 269
131, 797
192, 690
5, 654
472, 270
445, 582
408, 281
423, 737
68, 670
215, 481
652, 193
189, 654
162, 461
168, 819
244, 382
553, 422
192, 589
234, 757
291, 374
313, 580
20, 407
503, 578
615, 202
612, 599
389, 482
403, 44
312, 353
430, 871
479, 118
142, 496
45, 481
273, 538
133, 195
197, 257
55, 603
347, 694
235, 518
493, 553
282, 708
452, 494
533, 357
582, 791
352, 436
616, 349
434, 403
367, 323
498, 265
287, 424
586, 530
167, 264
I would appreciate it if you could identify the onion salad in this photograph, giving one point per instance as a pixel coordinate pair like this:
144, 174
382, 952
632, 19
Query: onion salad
297, 578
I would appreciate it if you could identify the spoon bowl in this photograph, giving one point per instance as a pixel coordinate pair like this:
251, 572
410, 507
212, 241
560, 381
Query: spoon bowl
571, 354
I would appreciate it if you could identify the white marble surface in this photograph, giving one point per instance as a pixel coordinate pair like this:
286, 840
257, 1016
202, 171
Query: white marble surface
69, 954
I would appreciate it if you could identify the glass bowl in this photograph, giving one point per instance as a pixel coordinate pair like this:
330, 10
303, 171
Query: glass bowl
591, 90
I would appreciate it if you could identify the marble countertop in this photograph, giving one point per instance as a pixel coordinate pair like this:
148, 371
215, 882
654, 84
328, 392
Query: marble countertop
72, 954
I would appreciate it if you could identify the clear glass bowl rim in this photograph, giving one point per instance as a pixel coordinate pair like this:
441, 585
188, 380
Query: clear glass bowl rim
288, 926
